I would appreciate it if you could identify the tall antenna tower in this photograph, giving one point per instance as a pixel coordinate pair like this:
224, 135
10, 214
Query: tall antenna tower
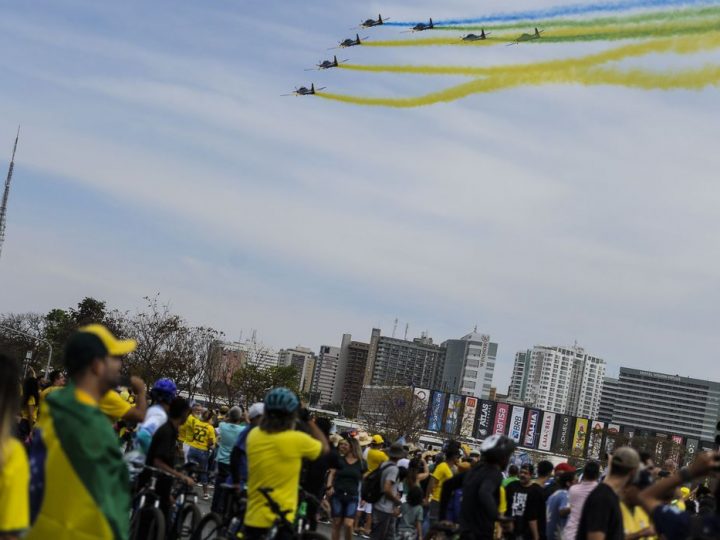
6, 193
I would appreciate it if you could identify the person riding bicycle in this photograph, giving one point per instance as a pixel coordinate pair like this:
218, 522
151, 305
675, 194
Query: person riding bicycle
162, 394
275, 451
481, 489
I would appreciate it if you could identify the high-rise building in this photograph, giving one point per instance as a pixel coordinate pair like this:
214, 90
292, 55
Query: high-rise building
564, 380
611, 387
398, 362
252, 352
468, 366
667, 404
303, 360
326, 382
354, 358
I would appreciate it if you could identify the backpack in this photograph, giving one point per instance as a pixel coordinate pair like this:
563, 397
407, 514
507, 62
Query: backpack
372, 489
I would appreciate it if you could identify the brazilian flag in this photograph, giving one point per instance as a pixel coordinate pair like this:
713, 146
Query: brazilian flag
80, 487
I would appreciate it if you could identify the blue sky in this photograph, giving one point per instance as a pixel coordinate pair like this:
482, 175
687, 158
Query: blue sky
158, 156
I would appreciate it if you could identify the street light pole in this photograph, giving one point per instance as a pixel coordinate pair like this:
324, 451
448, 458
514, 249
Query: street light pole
35, 338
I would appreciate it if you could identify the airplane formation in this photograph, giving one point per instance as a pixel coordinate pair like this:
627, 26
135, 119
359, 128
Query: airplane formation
370, 23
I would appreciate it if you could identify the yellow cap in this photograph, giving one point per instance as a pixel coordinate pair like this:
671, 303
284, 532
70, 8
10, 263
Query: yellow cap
377, 439
685, 491
114, 346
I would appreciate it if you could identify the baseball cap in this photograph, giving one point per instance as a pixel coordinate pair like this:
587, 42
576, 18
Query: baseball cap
626, 457
255, 410
565, 468
377, 439
91, 342
113, 345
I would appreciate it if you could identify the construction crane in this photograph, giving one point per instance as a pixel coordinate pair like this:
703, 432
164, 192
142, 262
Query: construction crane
6, 193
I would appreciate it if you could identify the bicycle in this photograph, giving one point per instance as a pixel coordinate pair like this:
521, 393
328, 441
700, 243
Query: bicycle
187, 513
148, 520
283, 524
225, 526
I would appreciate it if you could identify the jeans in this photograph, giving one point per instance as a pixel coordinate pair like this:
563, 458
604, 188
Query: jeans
383, 525
344, 505
201, 458
220, 495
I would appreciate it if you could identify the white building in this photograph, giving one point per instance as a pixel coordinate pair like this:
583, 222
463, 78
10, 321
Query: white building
564, 380
468, 365
303, 360
327, 382
253, 352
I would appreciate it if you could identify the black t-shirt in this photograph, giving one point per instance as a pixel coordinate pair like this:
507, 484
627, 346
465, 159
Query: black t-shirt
526, 504
601, 513
315, 472
479, 507
348, 476
163, 447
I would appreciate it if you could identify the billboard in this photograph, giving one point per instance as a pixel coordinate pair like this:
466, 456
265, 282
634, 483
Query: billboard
437, 406
676, 441
595, 439
516, 423
423, 396
502, 411
661, 444
546, 431
580, 437
468, 416
613, 434
454, 408
485, 419
563, 434
532, 429
691, 449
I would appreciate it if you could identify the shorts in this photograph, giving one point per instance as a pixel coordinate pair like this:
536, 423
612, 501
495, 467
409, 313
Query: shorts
365, 507
343, 505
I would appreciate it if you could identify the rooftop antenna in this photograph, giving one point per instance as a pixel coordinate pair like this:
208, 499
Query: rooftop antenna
394, 327
6, 193
407, 327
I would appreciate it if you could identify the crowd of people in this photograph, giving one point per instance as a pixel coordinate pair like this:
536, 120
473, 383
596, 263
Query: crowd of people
66, 442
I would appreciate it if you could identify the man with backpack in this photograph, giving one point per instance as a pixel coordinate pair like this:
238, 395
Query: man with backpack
381, 488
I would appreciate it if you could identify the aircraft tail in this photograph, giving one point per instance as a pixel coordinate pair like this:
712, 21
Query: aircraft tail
357, 38
431, 23
380, 18
536, 32
335, 62
482, 32
312, 88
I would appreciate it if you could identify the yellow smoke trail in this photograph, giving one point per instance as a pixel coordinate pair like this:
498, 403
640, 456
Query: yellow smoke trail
676, 45
606, 32
643, 79
583, 70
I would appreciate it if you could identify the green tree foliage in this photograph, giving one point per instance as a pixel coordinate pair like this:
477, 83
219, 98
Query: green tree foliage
253, 382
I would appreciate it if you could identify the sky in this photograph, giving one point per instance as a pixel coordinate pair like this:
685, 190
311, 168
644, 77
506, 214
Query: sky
157, 156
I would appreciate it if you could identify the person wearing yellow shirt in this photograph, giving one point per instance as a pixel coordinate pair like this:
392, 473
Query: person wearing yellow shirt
29, 406
14, 466
275, 451
374, 457
636, 522
201, 440
186, 429
57, 381
442, 472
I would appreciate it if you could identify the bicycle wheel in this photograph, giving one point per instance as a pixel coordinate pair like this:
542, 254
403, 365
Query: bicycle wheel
186, 521
210, 527
148, 523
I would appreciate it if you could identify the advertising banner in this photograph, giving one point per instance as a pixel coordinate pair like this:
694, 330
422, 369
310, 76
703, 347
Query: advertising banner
563, 434
676, 447
547, 431
423, 396
580, 437
468, 416
532, 429
613, 434
437, 407
516, 423
502, 411
595, 439
661, 444
691, 449
454, 408
486, 417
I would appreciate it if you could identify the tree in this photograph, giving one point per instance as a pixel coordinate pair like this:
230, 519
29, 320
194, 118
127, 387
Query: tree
16, 345
393, 410
253, 381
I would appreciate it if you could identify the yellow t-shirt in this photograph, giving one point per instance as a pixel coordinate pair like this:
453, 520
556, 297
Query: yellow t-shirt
375, 458
441, 473
113, 405
14, 488
48, 390
274, 461
201, 435
25, 412
185, 430
635, 519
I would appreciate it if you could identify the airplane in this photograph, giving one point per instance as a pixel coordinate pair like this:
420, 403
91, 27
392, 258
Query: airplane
304, 91
475, 37
422, 26
349, 42
327, 64
369, 23
527, 37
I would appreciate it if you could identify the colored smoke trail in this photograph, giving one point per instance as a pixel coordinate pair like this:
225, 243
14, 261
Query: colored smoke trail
642, 79
584, 70
564, 11
672, 15
572, 34
677, 45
